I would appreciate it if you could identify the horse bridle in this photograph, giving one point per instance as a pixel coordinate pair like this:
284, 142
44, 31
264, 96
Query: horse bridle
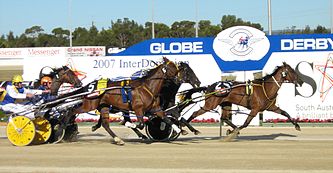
164, 69
284, 74
56, 76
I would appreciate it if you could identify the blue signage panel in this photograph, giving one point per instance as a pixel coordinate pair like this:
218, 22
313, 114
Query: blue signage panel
239, 48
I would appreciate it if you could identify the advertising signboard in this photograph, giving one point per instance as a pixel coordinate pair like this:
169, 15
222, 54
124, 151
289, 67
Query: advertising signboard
239, 51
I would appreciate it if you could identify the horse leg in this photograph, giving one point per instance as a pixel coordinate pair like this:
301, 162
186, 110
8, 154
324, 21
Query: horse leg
197, 113
105, 124
167, 120
139, 115
194, 115
232, 125
98, 125
176, 113
235, 132
189, 126
140, 135
284, 113
226, 116
248, 120
209, 105
136, 131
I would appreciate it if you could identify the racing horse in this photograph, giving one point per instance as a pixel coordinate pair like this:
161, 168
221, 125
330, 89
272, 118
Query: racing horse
167, 97
144, 93
170, 89
262, 97
63, 75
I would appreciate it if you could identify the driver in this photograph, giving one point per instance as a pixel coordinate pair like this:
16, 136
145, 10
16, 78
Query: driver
16, 92
45, 85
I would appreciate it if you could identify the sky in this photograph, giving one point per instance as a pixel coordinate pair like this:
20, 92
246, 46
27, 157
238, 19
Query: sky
18, 15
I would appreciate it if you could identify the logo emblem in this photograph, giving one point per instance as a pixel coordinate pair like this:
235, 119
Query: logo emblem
241, 43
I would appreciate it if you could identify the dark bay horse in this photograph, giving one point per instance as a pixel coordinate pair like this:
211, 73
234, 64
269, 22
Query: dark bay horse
263, 96
144, 97
170, 89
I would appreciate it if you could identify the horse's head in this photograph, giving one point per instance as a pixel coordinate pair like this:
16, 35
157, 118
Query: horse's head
64, 75
288, 74
169, 68
186, 75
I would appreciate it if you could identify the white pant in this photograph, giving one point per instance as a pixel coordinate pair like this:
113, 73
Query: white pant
19, 109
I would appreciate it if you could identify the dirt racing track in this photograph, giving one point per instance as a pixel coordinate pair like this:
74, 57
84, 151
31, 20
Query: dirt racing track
257, 149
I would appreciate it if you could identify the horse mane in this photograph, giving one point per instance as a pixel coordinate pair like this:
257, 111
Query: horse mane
149, 73
137, 81
78, 91
270, 75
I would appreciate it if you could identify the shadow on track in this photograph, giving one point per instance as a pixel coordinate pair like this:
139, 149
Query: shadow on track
182, 140
264, 137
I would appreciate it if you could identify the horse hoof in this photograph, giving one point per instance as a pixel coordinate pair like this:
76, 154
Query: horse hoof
118, 141
232, 135
297, 127
144, 138
228, 132
184, 132
140, 126
197, 132
231, 132
93, 128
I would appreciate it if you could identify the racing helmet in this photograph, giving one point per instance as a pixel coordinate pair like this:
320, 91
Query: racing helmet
45, 79
17, 79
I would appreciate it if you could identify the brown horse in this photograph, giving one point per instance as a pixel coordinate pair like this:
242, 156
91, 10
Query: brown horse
262, 96
144, 97
167, 97
63, 75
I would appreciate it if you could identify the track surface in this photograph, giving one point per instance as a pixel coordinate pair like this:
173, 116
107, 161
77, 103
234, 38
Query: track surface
257, 149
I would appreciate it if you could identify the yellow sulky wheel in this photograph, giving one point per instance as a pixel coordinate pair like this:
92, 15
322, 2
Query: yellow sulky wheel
43, 130
20, 131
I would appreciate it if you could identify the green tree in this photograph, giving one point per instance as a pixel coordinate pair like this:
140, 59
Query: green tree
3, 42
60, 37
228, 21
126, 32
161, 30
104, 38
292, 30
46, 40
34, 31
321, 30
80, 36
307, 30
24, 41
183, 29
11, 39
93, 33
208, 30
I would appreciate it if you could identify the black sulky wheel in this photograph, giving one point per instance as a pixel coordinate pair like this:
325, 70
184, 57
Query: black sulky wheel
158, 130
58, 132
